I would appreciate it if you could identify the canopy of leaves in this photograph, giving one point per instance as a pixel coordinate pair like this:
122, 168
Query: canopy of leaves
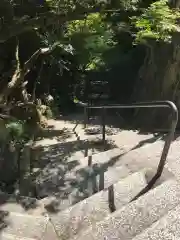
85, 36
158, 22
90, 38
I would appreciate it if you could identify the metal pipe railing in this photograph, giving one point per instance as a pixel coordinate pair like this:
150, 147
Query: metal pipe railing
169, 138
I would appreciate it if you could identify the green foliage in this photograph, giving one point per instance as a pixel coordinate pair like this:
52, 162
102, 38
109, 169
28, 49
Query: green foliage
97, 40
157, 22
16, 130
90, 37
75, 100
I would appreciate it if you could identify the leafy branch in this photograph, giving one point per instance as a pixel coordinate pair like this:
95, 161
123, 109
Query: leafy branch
157, 22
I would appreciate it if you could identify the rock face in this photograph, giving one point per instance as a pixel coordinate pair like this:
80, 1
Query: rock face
8, 164
8, 156
15, 165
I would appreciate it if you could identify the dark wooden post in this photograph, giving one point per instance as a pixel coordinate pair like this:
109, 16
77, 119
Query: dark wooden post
103, 126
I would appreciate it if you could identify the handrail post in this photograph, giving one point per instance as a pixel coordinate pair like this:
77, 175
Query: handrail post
85, 116
103, 126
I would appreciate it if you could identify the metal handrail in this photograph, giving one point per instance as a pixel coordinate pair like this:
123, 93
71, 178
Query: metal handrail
169, 138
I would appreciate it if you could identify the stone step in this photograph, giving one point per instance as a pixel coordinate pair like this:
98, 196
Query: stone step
75, 136
125, 137
112, 175
125, 140
93, 130
23, 225
13, 237
173, 166
138, 215
97, 182
56, 177
167, 227
21, 204
149, 156
79, 217
95, 178
101, 159
71, 151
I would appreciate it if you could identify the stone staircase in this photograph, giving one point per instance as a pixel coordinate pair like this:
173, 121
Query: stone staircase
112, 178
